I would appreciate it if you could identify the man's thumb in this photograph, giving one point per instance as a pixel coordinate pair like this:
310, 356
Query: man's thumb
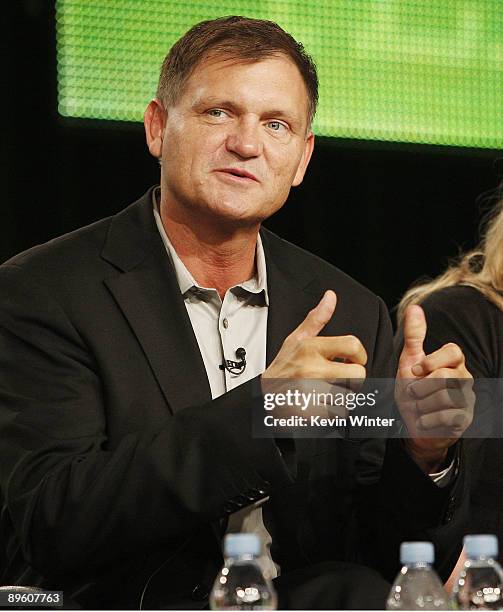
414, 330
317, 318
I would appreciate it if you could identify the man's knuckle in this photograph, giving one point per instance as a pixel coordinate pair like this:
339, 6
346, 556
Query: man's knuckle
314, 317
360, 371
353, 344
446, 398
455, 352
430, 362
421, 406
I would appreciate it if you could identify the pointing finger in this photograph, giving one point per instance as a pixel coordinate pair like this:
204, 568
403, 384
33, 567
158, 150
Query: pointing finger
348, 348
448, 356
440, 379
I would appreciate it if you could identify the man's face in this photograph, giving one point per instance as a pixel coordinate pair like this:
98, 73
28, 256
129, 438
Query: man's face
236, 140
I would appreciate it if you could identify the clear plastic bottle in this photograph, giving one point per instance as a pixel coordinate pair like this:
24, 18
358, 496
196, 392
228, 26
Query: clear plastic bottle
479, 585
241, 585
417, 586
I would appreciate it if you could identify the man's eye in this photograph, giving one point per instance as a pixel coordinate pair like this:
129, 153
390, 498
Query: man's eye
276, 126
217, 112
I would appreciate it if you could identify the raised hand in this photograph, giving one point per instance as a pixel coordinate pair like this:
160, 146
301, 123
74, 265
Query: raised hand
304, 354
434, 393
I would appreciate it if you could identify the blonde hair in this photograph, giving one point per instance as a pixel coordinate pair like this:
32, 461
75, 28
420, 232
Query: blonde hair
481, 268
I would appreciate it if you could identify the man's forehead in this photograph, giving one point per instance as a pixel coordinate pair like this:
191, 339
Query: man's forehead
222, 63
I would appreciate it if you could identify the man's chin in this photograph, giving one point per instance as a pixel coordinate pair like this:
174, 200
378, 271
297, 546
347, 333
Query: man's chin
242, 215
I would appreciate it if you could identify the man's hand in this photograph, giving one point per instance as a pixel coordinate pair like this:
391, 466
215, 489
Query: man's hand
304, 354
434, 394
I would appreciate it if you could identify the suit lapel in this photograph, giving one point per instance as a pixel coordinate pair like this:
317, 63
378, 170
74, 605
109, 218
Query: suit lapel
147, 292
292, 293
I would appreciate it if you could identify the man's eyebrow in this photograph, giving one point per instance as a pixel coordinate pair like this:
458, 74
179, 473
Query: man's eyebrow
281, 114
223, 103
215, 101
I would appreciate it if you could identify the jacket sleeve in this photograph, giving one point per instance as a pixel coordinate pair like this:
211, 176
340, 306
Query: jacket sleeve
69, 496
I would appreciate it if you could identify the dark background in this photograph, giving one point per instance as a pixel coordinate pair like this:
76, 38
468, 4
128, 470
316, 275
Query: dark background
384, 213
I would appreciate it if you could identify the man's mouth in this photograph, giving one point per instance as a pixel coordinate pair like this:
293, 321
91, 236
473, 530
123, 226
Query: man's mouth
238, 173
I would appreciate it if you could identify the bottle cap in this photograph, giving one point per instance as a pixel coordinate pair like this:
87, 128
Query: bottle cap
480, 546
236, 544
416, 552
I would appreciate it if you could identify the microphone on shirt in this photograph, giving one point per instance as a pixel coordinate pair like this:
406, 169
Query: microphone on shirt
235, 367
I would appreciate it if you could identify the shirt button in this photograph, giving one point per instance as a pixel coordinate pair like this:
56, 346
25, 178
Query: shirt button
225, 323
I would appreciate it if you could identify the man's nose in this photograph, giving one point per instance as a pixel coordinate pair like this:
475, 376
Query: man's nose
245, 139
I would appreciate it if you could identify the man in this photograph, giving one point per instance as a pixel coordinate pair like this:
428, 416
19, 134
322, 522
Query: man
127, 451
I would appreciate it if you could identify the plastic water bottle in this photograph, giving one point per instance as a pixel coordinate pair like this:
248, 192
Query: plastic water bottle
241, 585
417, 586
480, 583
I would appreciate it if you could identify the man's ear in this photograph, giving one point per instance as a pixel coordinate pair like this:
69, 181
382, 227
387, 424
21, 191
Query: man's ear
304, 160
154, 120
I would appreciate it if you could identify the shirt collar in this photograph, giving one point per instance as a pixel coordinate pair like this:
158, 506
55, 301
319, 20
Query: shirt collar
257, 284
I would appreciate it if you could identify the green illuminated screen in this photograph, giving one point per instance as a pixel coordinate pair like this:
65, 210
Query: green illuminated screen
426, 71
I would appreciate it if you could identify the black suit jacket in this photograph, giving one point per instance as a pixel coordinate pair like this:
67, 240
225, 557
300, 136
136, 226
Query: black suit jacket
117, 468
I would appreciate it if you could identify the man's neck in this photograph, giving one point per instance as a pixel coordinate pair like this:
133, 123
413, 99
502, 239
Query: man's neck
216, 256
